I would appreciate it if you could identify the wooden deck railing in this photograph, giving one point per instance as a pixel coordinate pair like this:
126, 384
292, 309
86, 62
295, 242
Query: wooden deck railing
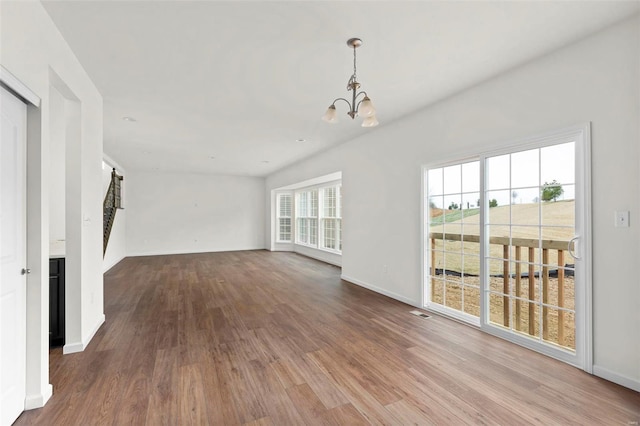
519, 243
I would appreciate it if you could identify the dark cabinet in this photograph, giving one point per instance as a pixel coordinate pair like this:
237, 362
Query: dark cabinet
56, 302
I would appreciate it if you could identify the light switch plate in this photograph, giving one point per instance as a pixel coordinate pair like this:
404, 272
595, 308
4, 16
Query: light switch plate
622, 219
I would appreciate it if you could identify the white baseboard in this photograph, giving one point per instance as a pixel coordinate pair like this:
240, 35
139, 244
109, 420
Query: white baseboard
382, 291
105, 268
71, 348
188, 251
38, 400
625, 381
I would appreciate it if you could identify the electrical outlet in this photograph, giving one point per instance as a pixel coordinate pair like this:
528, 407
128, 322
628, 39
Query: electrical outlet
622, 219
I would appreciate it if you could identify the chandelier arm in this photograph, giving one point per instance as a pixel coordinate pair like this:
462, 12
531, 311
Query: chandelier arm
342, 99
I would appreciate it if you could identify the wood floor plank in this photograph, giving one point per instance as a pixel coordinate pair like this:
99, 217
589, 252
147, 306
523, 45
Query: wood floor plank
274, 338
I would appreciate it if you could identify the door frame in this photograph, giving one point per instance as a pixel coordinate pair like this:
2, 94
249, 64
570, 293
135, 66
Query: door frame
581, 135
38, 388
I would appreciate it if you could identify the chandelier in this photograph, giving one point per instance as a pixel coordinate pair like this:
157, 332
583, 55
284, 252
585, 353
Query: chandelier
363, 107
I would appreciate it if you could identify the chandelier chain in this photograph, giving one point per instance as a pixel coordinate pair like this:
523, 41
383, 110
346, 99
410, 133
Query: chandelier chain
354, 63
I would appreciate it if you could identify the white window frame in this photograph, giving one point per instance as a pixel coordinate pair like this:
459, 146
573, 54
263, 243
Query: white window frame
278, 217
318, 217
337, 219
306, 215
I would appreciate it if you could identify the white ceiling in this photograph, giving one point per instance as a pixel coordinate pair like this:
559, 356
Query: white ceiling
242, 81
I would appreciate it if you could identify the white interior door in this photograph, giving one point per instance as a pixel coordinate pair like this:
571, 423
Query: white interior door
13, 119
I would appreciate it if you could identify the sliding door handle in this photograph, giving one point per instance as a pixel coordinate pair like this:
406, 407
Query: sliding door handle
573, 242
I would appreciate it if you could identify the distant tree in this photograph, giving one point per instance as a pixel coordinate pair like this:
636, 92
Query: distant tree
551, 191
493, 203
536, 199
514, 195
453, 206
432, 205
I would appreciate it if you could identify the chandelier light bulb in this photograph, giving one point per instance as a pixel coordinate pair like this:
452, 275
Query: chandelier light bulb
331, 116
370, 121
366, 108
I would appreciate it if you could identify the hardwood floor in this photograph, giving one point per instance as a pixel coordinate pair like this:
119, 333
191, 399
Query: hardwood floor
262, 338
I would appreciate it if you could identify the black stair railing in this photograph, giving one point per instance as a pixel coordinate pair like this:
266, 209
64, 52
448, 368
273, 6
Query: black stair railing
112, 202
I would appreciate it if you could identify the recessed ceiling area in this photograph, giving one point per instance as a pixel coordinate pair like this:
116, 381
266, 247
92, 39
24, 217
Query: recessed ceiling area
239, 87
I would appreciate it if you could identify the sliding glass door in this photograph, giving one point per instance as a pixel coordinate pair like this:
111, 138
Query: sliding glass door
506, 243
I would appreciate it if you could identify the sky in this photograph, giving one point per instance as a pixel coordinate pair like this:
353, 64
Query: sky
512, 178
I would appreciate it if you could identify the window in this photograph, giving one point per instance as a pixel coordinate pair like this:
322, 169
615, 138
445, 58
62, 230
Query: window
331, 218
454, 236
284, 218
318, 218
307, 217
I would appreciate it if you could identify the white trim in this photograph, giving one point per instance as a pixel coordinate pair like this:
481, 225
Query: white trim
453, 314
38, 400
320, 255
18, 87
114, 263
81, 346
171, 252
611, 376
382, 291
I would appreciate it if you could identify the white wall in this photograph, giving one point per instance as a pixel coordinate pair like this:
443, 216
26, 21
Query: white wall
596, 80
117, 247
57, 150
34, 51
190, 213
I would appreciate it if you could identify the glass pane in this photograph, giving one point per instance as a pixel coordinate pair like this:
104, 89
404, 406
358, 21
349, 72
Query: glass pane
497, 309
452, 205
525, 208
470, 207
559, 212
558, 327
498, 238
434, 182
498, 276
313, 231
558, 163
329, 201
453, 266
497, 171
525, 169
526, 317
437, 291
471, 233
452, 179
472, 300
529, 285
438, 263
553, 191
499, 203
453, 298
313, 208
567, 323
471, 269
436, 206
562, 289
471, 177
454, 228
